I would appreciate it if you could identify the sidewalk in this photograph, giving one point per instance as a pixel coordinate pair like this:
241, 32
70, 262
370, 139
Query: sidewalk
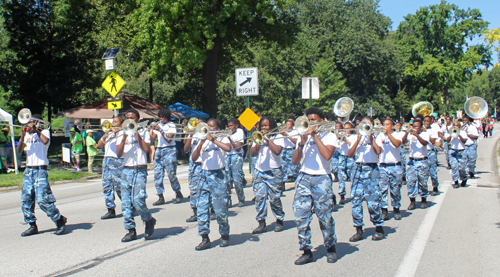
487, 162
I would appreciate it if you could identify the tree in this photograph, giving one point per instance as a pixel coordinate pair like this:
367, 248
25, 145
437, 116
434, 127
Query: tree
55, 52
492, 37
191, 35
437, 56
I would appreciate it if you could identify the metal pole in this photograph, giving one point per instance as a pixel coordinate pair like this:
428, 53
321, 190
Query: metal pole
249, 134
310, 92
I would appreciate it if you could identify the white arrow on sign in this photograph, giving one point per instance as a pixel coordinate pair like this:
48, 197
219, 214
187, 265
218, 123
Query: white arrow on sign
247, 81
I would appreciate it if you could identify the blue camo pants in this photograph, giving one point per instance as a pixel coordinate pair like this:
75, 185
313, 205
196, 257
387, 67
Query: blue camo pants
417, 174
365, 186
194, 177
471, 156
403, 151
289, 169
36, 188
166, 160
344, 170
267, 186
212, 190
235, 175
111, 180
458, 165
134, 196
314, 191
334, 160
391, 176
446, 150
433, 170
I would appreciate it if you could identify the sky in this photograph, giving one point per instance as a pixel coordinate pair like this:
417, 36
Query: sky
397, 9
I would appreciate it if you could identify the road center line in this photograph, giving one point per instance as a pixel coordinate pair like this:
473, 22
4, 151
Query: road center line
409, 265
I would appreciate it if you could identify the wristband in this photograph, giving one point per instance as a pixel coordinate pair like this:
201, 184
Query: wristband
301, 146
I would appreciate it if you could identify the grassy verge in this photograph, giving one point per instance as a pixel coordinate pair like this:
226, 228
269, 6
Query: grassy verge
54, 175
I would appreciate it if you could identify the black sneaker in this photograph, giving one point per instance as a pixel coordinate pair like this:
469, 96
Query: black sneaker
464, 183
204, 244
32, 230
455, 185
331, 255
178, 197
379, 233
61, 225
110, 214
130, 236
307, 257
150, 228
342, 200
358, 236
193, 218
224, 241
434, 191
423, 204
279, 226
160, 200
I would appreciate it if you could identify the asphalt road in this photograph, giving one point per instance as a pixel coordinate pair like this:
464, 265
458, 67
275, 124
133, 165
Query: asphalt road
458, 235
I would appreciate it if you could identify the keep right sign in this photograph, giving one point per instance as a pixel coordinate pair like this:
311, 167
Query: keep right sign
247, 81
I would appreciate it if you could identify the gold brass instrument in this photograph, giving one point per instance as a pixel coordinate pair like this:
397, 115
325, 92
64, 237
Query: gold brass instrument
454, 132
405, 127
425, 108
476, 107
191, 126
343, 107
377, 123
106, 126
302, 126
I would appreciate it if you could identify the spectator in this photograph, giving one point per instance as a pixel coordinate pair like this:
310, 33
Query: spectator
3, 140
91, 149
76, 148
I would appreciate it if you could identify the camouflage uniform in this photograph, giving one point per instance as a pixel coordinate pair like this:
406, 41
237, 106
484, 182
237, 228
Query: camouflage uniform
36, 188
166, 160
433, 171
235, 175
134, 196
391, 176
267, 186
289, 170
458, 165
344, 170
471, 157
334, 160
212, 190
365, 186
111, 180
194, 177
417, 173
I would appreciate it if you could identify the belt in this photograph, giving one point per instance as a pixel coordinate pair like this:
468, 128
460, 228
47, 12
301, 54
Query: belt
136, 167
198, 163
418, 159
457, 150
165, 147
38, 167
390, 164
370, 164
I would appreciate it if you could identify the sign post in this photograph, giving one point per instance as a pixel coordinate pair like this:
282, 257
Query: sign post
310, 89
113, 83
247, 84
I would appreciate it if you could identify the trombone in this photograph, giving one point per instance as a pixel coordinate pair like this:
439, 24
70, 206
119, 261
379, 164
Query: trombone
302, 125
24, 117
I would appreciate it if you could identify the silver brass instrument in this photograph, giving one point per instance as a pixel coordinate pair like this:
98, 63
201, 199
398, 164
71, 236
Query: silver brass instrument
476, 107
302, 126
130, 127
24, 117
454, 132
202, 131
365, 128
377, 123
425, 108
343, 107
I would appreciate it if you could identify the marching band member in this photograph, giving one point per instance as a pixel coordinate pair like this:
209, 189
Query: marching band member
234, 160
365, 185
417, 168
391, 170
290, 171
212, 186
268, 176
134, 149
403, 151
313, 188
112, 167
471, 146
457, 156
165, 157
194, 172
345, 162
335, 157
444, 130
36, 186
432, 152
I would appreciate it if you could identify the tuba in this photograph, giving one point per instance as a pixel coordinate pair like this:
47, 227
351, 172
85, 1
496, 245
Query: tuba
343, 107
476, 107
425, 108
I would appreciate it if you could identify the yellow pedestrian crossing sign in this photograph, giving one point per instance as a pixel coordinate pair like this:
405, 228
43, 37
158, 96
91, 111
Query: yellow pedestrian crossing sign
114, 105
113, 84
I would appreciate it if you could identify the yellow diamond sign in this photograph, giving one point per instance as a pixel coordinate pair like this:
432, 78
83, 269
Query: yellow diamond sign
113, 84
114, 105
248, 119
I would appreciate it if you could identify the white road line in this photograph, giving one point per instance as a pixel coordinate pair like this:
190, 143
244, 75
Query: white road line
412, 258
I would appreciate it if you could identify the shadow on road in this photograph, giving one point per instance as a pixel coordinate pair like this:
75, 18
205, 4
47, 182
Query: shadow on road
162, 233
342, 249
237, 239
368, 232
290, 224
71, 227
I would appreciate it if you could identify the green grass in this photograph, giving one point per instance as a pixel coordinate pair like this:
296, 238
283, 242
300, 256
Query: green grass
7, 180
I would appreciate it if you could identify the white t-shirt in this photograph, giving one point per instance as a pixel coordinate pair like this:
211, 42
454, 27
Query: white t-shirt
36, 151
344, 146
365, 152
417, 150
432, 134
238, 136
110, 144
212, 156
266, 159
471, 130
132, 152
445, 128
288, 144
389, 154
194, 143
455, 142
313, 162
168, 128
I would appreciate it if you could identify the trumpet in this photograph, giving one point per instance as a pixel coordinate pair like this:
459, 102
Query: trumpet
302, 126
454, 132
